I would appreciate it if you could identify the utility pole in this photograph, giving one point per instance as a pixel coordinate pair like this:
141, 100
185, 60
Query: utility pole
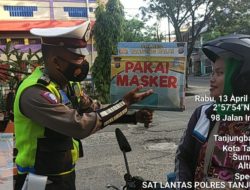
51, 7
168, 30
88, 18
87, 6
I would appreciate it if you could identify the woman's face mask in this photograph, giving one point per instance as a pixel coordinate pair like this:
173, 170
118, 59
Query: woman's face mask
75, 72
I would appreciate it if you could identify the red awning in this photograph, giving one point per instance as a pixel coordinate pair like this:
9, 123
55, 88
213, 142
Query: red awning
28, 24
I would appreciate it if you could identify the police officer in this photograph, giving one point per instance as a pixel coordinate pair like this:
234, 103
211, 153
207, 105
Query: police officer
48, 124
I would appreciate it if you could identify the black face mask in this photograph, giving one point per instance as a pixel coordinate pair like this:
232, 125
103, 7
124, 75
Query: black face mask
72, 67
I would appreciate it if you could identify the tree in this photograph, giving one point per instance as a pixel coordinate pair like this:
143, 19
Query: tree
13, 68
8, 51
234, 17
136, 31
153, 34
182, 12
16, 64
108, 31
133, 30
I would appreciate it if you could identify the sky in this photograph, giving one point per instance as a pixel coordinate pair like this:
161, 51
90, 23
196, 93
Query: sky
131, 8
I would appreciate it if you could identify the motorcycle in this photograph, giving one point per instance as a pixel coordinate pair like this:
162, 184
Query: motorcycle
131, 182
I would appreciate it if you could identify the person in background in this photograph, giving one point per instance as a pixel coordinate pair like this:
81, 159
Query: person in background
50, 116
203, 154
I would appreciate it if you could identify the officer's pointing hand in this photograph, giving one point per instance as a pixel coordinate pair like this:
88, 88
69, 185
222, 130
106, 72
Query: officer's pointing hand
135, 96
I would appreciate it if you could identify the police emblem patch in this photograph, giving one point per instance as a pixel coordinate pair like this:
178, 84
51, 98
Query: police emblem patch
50, 97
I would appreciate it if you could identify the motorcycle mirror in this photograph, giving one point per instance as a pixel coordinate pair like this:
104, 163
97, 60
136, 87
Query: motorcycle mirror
122, 141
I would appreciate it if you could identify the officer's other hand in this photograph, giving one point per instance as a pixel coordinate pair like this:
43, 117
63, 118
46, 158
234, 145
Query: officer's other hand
135, 96
144, 116
85, 101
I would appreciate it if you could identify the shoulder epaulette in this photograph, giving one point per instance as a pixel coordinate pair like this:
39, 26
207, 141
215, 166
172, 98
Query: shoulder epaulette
44, 79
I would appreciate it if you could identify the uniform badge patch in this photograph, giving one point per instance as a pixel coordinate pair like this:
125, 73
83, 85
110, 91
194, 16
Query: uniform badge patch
50, 97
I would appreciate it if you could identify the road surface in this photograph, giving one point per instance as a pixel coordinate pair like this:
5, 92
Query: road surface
153, 149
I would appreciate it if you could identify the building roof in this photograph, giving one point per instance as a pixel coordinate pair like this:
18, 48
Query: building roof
21, 26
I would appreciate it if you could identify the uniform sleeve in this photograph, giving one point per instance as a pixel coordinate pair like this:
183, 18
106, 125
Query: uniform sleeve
47, 112
128, 119
186, 154
88, 104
